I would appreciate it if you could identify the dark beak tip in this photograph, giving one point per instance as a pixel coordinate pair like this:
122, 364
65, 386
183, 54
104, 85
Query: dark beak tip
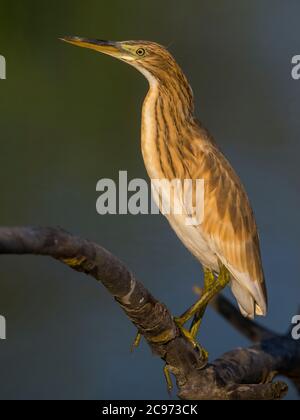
87, 40
70, 38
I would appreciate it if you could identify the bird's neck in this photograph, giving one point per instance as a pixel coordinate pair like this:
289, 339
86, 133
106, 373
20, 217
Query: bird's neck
168, 114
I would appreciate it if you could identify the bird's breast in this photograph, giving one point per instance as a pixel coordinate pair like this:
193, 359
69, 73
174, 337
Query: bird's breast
191, 236
150, 133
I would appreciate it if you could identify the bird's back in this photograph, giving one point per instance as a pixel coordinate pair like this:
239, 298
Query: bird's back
228, 228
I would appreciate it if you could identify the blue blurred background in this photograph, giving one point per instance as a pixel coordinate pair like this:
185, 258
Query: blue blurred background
69, 117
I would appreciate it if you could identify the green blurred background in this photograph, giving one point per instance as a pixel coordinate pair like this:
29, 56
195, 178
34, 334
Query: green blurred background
69, 117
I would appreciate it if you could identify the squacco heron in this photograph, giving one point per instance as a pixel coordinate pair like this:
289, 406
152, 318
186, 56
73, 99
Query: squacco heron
176, 146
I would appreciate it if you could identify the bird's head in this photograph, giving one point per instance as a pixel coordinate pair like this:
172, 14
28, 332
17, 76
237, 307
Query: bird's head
151, 59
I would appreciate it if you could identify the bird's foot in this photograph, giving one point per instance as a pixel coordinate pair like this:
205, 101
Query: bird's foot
203, 357
167, 375
212, 287
191, 338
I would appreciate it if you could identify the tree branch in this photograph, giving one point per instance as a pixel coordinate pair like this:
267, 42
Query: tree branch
250, 329
239, 374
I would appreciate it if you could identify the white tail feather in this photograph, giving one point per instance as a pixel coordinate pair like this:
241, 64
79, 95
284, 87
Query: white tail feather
245, 300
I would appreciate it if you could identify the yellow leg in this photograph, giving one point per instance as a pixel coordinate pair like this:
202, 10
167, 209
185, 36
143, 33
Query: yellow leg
137, 342
168, 378
196, 324
211, 288
207, 296
209, 281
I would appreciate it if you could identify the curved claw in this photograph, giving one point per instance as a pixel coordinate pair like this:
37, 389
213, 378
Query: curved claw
190, 337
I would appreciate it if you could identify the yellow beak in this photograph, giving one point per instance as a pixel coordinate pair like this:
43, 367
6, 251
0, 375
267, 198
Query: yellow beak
106, 47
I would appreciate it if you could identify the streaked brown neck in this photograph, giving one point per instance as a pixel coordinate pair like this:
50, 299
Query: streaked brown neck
168, 114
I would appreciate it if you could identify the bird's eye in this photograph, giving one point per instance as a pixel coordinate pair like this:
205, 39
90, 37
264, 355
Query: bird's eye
140, 52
